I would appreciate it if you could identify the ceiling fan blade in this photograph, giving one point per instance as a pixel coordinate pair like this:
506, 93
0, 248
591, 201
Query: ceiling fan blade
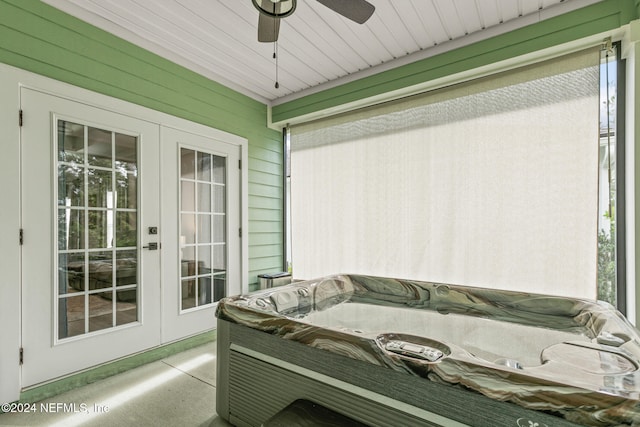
356, 10
268, 28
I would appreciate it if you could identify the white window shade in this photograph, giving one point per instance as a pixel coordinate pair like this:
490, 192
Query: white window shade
489, 183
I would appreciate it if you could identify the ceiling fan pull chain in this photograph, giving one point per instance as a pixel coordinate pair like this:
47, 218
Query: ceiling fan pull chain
275, 56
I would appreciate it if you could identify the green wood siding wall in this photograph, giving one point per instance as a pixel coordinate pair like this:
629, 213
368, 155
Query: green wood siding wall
584, 22
46, 41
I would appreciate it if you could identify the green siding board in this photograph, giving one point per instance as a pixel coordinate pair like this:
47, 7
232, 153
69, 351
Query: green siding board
264, 226
257, 202
272, 215
41, 39
264, 171
264, 250
265, 178
273, 144
600, 17
256, 189
268, 264
258, 239
263, 166
266, 154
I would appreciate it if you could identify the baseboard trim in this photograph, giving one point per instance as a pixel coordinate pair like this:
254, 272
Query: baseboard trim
88, 376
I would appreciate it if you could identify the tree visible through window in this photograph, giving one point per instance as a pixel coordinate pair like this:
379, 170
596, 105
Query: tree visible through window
607, 257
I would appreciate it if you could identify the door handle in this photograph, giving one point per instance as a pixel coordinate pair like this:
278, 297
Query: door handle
152, 246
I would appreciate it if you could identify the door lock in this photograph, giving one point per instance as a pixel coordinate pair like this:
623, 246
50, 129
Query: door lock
152, 246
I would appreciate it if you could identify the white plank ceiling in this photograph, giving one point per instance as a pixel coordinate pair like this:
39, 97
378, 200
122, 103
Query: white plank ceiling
317, 48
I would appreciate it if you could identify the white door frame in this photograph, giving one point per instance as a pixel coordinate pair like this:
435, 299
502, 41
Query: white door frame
11, 79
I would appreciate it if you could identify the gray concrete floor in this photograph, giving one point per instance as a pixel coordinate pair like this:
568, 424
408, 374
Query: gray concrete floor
177, 391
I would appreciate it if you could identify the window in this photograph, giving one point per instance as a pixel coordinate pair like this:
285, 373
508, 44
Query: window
611, 267
203, 248
488, 183
97, 203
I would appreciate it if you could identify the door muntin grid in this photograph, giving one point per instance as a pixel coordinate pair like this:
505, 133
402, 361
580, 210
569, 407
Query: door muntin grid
203, 228
97, 215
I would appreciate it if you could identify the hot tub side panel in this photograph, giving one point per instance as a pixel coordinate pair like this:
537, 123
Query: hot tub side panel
260, 374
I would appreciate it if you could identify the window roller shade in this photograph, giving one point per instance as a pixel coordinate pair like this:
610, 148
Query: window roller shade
491, 183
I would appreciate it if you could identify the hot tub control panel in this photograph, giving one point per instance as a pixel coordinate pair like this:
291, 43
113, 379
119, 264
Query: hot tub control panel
414, 350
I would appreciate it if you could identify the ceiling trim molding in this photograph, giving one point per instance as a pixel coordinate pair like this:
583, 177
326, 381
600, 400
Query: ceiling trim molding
472, 38
531, 43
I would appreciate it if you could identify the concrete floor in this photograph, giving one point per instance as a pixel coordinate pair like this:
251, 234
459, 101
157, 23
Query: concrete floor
177, 391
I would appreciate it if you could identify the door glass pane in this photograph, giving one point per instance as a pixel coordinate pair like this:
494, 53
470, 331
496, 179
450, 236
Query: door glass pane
99, 150
126, 306
70, 185
70, 272
188, 293
219, 204
126, 189
126, 268
100, 190
126, 229
97, 229
71, 315
219, 258
188, 228
202, 233
70, 142
219, 286
71, 229
204, 166
100, 270
187, 163
204, 260
100, 311
188, 196
187, 261
219, 169
204, 197
204, 228
219, 229
204, 290
126, 153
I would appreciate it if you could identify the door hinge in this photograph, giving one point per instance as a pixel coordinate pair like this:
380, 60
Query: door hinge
21, 355
240, 164
21, 236
20, 118
240, 232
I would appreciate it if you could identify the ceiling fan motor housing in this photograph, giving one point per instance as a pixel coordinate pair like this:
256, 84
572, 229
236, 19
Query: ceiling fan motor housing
275, 8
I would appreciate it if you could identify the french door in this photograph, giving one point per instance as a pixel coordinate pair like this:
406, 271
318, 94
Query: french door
91, 285
131, 233
201, 217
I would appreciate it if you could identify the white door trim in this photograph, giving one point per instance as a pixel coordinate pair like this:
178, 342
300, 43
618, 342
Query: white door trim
11, 79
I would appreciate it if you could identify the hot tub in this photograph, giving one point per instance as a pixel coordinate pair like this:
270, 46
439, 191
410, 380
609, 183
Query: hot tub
385, 351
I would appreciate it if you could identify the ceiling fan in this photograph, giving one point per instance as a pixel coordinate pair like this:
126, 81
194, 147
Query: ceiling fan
271, 11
